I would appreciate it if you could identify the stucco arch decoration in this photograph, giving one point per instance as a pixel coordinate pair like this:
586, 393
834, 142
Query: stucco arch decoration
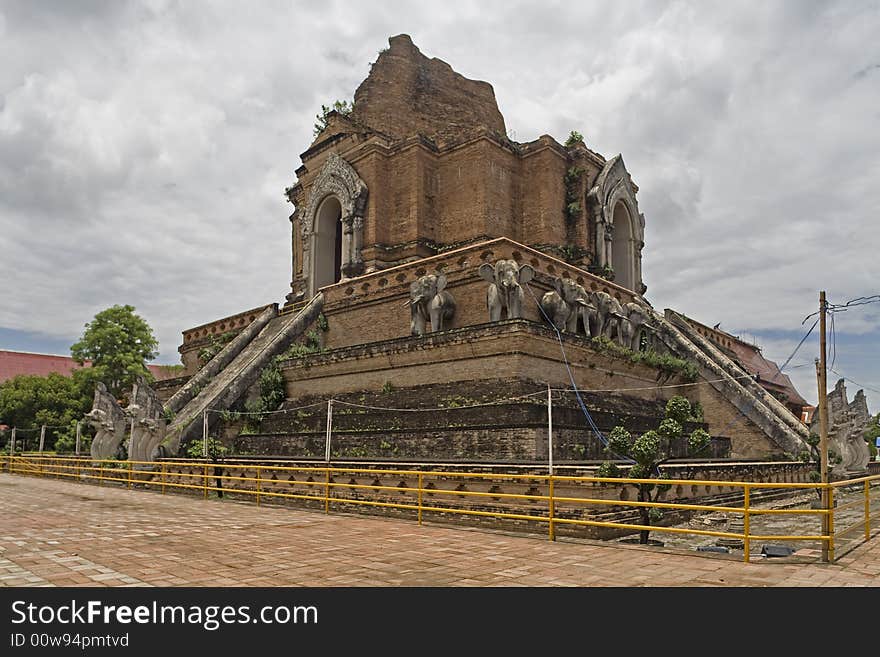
339, 179
613, 186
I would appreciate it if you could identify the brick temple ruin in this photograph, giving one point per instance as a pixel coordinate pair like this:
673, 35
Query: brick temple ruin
433, 258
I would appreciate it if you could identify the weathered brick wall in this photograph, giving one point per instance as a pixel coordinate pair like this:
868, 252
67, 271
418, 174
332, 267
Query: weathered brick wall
516, 350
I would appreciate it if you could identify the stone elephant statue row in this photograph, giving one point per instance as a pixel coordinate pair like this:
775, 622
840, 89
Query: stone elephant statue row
571, 307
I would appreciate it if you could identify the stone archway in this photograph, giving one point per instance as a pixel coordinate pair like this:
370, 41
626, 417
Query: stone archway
340, 182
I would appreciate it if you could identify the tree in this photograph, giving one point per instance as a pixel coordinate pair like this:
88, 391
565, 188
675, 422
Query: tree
118, 342
27, 402
340, 106
649, 451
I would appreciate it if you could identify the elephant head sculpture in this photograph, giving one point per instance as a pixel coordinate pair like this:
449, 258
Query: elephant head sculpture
429, 301
635, 317
505, 289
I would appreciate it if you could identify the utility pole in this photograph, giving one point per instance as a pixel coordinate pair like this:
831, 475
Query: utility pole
822, 374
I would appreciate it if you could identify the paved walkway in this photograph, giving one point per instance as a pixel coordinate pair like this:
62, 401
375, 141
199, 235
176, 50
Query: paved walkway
70, 534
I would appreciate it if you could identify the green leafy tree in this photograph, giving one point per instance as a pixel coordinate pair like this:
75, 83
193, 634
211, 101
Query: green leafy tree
27, 402
119, 343
341, 106
649, 451
871, 435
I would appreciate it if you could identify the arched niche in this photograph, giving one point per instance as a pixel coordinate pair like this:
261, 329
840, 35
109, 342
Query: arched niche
612, 199
327, 244
623, 256
332, 223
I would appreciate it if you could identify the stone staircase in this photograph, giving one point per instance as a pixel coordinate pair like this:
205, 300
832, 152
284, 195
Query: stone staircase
236, 368
766, 412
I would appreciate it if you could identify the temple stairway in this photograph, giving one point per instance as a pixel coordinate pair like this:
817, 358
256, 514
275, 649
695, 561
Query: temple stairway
227, 376
755, 403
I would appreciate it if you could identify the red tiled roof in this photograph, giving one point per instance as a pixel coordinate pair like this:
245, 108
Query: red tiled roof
14, 363
770, 375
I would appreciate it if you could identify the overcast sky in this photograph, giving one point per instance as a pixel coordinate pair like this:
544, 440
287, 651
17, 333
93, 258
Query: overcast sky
145, 147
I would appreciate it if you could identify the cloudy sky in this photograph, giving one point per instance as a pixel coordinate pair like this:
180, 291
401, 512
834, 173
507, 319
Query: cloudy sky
144, 148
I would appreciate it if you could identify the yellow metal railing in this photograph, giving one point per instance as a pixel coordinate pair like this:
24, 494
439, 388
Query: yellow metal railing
321, 484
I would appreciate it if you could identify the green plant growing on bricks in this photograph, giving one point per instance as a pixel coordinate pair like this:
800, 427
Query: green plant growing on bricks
649, 451
343, 107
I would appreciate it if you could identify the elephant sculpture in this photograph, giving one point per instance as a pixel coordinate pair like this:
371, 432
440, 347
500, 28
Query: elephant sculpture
429, 301
631, 325
610, 315
555, 309
567, 303
505, 287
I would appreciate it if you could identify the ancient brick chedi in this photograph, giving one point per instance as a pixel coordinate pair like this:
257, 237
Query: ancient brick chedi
451, 265
423, 164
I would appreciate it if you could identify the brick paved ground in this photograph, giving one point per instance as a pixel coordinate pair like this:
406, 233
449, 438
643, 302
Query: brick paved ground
69, 534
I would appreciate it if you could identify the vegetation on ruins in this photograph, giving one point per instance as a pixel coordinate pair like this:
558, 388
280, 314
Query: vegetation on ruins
343, 107
648, 452
573, 193
118, 342
667, 364
271, 381
215, 346
573, 138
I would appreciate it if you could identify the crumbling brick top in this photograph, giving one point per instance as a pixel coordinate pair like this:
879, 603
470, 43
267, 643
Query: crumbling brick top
407, 93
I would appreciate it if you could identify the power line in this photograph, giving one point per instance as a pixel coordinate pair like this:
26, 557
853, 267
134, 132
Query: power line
845, 378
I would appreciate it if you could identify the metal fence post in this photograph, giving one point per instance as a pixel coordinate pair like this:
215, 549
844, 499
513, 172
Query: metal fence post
12, 443
78, 438
329, 430
163, 478
205, 480
551, 510
867, 509
42, 438
420, 498
830, 524
327, 493
747, 541
205, 435
258, 485
550, 429
129, 475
